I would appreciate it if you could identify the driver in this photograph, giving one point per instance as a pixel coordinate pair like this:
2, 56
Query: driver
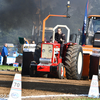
60, 38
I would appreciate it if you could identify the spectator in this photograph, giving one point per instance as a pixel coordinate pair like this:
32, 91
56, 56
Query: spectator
33, 42
4, 53
26, 41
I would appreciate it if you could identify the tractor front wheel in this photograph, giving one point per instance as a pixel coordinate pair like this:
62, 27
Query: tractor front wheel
74, 62
60, 71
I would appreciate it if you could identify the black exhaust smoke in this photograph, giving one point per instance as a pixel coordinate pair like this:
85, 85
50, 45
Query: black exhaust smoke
17, 17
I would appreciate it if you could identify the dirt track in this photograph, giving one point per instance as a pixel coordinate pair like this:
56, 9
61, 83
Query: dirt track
43, 86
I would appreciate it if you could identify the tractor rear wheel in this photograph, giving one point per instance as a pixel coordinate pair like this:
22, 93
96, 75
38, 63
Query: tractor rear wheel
74, 62
60, 71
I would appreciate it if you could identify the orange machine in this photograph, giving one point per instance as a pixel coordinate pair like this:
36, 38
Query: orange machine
92, 46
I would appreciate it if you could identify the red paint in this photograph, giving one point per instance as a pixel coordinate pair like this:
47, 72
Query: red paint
43, 68
83, 45
17, 79
16, 88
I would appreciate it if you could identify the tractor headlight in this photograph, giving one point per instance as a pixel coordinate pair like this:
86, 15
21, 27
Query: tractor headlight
50, 51
43, 50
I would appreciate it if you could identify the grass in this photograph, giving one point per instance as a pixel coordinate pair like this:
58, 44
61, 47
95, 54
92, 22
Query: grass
6, 67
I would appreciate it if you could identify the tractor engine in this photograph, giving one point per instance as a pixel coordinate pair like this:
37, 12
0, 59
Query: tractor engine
49, 53
46, 53
50, 56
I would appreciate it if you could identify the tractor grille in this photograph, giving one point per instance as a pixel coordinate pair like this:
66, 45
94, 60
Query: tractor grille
47, 51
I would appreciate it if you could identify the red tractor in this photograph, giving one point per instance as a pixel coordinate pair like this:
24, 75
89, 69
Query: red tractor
70, 65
